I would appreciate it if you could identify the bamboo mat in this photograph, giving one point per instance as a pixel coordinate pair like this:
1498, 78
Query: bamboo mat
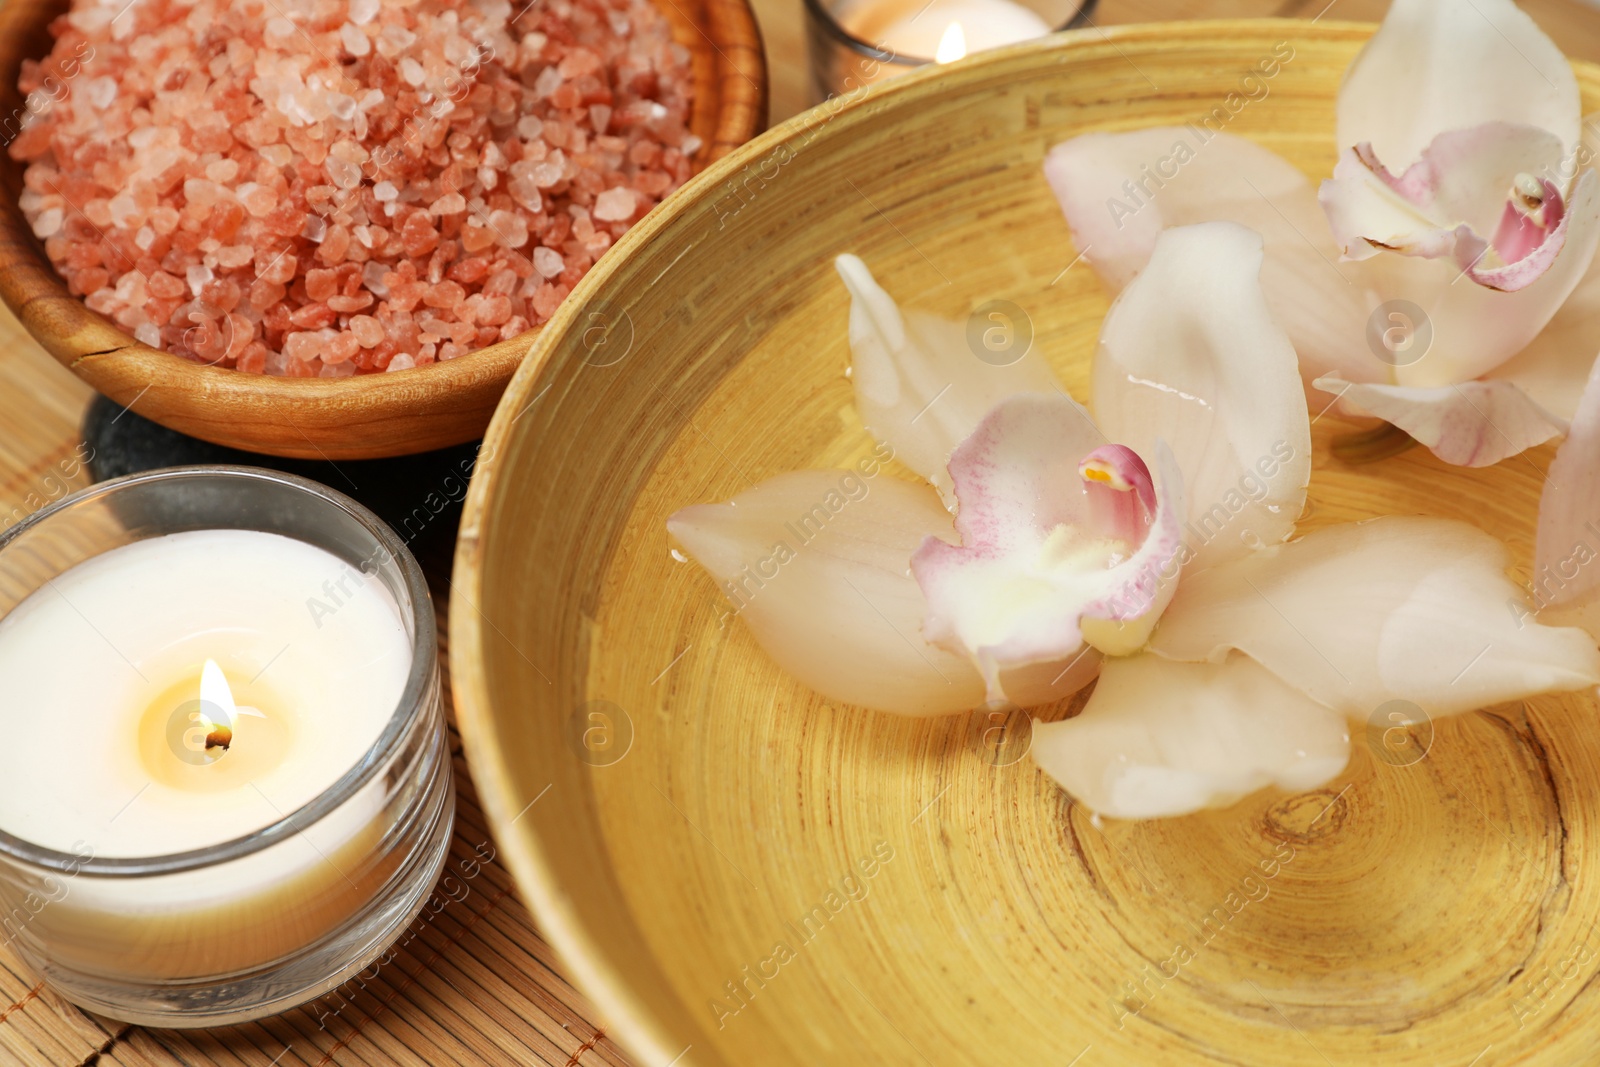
475, 983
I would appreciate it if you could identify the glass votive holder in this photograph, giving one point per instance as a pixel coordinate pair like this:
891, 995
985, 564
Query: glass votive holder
314, 785
855, 43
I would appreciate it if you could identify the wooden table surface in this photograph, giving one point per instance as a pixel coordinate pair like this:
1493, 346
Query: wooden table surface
476, 984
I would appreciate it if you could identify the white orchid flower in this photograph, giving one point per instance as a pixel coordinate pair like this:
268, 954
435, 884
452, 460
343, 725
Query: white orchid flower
1148, 543
1459, 222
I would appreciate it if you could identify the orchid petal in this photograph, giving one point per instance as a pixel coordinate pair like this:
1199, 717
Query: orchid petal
1474, 424
1190, 353
817, 565
1160, 738
1474, 197
919, 385
1568, 543
1036, 684
1438, 65
1118, 205
1414, 609
1474, 329
1554, 366
1041, 552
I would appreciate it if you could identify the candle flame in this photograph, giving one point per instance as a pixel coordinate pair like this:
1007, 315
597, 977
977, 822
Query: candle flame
953, 45
214, 691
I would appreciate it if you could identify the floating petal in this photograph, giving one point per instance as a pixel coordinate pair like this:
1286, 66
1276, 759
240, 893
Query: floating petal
1160, 738
1190, 353
817, 564
1118, 205
1474, 424
919, 384
1414, 609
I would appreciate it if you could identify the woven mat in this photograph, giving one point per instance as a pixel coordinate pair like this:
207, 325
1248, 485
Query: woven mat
475, 983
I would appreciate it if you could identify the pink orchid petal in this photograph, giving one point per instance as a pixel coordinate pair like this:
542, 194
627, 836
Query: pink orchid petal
1018, 472
1528, 249
1554, 366
1159, 738
1413, 609
1370, 211
919, 386
1119, 622
1462, 188
1474, 424
1467, 175
1120, 492
1190, 353
1438, 65
1120, 191
816, 564
1475, 328
1520, 235
1566, 561
1032, 563
1415, 186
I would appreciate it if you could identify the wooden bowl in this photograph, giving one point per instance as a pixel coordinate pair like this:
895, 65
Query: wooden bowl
1404, 915
349, 418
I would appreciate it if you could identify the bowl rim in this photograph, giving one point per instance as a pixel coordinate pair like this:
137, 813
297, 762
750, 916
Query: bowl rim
193, 397
629, 1019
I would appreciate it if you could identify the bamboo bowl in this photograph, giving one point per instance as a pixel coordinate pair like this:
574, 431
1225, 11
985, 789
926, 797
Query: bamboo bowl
366, 416
1404, 915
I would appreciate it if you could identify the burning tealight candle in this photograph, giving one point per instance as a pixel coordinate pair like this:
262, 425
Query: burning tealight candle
855, 43
143, 656
947, 30
223, 745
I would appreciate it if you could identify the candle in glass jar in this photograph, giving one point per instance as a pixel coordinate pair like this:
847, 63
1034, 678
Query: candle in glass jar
181, 692
944, 30
113, 670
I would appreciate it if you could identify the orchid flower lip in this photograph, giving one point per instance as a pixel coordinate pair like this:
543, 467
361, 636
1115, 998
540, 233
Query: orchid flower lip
1122, 495
1429, 195
1534, 210
1053, 555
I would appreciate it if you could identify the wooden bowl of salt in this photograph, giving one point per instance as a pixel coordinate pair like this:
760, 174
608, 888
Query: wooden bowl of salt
446, 401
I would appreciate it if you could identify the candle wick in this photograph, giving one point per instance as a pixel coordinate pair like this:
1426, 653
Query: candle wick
219, 737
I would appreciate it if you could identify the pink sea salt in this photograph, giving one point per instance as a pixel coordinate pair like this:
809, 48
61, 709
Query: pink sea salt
614, 205
347, 186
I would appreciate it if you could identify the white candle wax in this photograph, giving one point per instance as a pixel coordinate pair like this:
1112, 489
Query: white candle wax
101, 664
944, 29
